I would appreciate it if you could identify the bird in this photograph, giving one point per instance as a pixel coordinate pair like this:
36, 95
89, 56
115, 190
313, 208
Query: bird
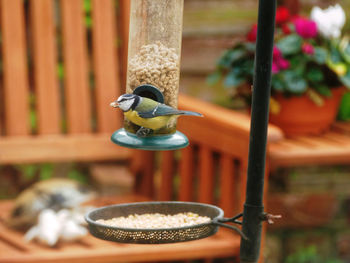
149, 114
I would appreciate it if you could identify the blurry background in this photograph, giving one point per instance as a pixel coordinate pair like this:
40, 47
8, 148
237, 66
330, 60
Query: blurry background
318, 197
212, 26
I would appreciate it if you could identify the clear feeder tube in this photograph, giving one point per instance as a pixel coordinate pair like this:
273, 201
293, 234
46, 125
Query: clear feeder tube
154, 51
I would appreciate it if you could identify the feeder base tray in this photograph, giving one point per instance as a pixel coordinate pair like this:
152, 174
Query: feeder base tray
173, 141
14, 249
158, 235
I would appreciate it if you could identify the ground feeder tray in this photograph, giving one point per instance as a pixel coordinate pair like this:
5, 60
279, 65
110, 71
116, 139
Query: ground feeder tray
158, 235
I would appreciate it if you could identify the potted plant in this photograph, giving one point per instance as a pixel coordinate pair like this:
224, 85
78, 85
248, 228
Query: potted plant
310, 68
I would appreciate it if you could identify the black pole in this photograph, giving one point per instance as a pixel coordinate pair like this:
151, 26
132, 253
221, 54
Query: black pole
253, 207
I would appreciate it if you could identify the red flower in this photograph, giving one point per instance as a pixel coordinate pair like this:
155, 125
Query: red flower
286, 29
251, 36
282, 15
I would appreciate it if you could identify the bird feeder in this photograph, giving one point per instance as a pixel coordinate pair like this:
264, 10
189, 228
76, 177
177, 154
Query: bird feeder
154, 68
143, 33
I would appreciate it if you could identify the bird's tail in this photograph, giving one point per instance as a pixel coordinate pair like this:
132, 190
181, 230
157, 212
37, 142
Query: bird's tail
190, 113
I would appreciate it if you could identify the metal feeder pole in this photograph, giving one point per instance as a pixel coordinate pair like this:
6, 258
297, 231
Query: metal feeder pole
253, 214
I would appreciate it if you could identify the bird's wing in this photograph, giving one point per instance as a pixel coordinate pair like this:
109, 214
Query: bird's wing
159, 110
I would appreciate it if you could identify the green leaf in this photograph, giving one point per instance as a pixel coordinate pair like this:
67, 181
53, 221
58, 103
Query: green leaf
28, 170
60, 70
87, 6
77, 176
323, 90
344, 109
335, 56
231, 56
346, 54
277, 84
46, 171
320, 56
344, 48
290, 45
233, 78
250, 47
88, 21
213, 78
346, 79
32, 113
314, 75
32, 120
294, 83
248, 67
298, 63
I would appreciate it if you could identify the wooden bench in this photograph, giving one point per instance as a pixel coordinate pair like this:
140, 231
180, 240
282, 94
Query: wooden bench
74, 123
67, 109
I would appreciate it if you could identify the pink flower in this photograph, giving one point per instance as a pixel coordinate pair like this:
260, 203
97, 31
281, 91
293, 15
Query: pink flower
308, 49
282, 63
251, 36
276, 53
278, 61
305, 28
274, 68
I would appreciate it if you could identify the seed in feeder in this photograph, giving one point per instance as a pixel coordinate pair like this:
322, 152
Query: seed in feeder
157, 65
154, 221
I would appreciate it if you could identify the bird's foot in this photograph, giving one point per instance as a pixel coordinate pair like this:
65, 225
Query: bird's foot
144, 132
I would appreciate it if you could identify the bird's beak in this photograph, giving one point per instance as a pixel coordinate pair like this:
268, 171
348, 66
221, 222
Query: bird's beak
114, 104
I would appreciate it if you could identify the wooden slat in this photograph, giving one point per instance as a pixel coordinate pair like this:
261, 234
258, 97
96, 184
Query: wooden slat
342, 127
206, 176
124, 21
77, 93
228, 195
338, 137
106, 64
45, 67
186, 190
318, 141
15, 74
60, 148
323, 156
167, 176
9, 237
144, 181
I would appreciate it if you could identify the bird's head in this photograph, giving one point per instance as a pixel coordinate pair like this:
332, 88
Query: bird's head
126, 102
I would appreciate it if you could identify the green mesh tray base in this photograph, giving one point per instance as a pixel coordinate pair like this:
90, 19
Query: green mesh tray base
173, 141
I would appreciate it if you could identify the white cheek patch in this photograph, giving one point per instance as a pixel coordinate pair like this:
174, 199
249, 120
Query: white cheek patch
126, 105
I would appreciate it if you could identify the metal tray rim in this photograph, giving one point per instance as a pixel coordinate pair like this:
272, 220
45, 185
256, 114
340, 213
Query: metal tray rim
93, 222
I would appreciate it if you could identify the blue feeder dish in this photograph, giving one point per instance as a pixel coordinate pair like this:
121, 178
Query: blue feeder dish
154, 142
173, 141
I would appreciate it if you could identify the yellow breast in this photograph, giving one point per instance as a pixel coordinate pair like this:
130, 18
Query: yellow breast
151, 123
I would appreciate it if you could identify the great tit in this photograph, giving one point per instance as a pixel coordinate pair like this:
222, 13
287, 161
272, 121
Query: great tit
150, 115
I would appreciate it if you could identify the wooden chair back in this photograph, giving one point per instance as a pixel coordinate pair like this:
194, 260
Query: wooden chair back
55, 96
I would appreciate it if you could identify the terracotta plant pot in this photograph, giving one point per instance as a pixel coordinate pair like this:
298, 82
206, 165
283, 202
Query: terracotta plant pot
301, 116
